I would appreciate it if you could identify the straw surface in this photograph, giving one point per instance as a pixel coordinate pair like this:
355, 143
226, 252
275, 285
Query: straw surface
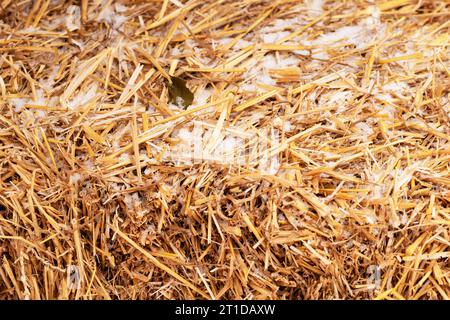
355, 205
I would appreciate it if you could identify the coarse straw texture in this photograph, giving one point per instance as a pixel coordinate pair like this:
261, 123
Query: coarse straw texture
356, 205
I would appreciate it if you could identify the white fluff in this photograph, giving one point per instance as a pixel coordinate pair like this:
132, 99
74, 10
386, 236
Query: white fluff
110, 15
287, 126
19, 103
360, 35
349, 33
315, 7
73, 18
201, 97
83, 97
365, 130
74, 178
274, 37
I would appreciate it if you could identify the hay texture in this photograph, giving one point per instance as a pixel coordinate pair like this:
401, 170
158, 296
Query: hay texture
94, 182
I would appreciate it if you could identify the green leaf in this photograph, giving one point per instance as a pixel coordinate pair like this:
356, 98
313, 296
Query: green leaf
177, 90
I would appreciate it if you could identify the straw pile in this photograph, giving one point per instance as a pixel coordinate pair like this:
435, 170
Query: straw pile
356, 205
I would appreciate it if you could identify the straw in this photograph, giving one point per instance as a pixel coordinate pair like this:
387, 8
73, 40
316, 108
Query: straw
348, 100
